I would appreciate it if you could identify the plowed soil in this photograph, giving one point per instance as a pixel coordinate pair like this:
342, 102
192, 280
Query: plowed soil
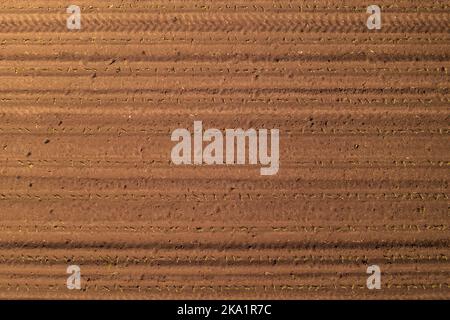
86, 177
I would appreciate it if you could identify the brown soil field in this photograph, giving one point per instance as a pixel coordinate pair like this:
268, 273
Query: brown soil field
86, 176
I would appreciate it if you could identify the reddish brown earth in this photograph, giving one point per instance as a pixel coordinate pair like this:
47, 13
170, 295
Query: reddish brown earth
86, 177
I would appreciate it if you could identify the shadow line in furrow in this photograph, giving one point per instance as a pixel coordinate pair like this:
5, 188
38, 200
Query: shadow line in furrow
235, 57
281, 245
249, 91
213, 261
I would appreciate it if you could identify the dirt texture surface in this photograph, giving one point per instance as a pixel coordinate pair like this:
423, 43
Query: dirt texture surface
86, 176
